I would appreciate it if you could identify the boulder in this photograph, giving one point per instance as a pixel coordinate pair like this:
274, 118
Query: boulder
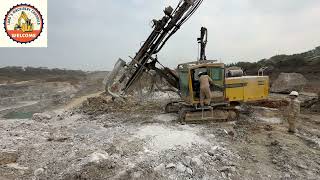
170, 166
288, 82
97, 165
97, 157
186, 161
316, 107
38, 172
41, 117
189, 171
181, 168
16, 166
196, 161
8, 157
160, 168
137, 175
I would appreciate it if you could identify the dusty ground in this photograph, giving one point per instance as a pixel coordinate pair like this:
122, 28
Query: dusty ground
136, 140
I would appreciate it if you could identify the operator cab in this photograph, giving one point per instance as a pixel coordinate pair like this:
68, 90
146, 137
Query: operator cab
190, 84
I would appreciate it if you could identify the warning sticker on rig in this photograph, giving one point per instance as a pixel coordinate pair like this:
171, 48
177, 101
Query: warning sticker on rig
24, 23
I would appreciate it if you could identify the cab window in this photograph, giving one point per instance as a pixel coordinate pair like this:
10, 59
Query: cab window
215, 74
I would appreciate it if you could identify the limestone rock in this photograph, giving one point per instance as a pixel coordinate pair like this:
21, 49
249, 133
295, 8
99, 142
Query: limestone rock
41, 117
160, 168
181, 167
170, 165
97, 164
288, 82
16, 166
196, 162
189, 171
38, 172
137, 175
187, 161
8, 157
213, 151
98, 156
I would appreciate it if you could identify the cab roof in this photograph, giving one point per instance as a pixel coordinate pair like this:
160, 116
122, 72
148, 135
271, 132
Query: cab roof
200, 64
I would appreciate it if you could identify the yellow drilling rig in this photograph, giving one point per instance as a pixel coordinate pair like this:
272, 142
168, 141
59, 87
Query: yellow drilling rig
230, 87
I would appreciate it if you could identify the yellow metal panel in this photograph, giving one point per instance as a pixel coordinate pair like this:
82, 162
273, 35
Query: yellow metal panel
247, 88
256, 89
234, 89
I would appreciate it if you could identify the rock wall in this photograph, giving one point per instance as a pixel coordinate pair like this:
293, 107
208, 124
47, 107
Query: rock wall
287, 82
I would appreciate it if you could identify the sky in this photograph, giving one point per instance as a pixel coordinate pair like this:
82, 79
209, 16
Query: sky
92, 35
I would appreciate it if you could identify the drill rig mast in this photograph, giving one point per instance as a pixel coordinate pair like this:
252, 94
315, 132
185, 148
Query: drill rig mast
125, 74
203, 40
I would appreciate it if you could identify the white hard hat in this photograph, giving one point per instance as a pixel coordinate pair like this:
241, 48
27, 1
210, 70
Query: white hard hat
201, 73
294, 93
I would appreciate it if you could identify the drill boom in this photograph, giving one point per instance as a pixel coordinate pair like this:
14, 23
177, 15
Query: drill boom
144, 60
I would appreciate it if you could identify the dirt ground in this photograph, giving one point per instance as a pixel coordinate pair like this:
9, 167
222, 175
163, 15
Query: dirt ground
105, 139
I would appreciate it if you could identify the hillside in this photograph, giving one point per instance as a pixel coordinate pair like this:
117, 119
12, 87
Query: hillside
307, 63
13, 74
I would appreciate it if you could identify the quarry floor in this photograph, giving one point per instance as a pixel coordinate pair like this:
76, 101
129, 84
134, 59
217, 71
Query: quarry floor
137, 140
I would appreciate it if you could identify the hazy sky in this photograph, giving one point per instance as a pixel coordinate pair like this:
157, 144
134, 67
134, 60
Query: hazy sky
92, 35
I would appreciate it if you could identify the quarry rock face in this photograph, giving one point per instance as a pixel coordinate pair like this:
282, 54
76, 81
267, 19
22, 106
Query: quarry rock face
316, 106
288, 82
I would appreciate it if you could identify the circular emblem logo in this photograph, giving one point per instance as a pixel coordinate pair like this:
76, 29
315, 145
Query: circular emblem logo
23, 23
